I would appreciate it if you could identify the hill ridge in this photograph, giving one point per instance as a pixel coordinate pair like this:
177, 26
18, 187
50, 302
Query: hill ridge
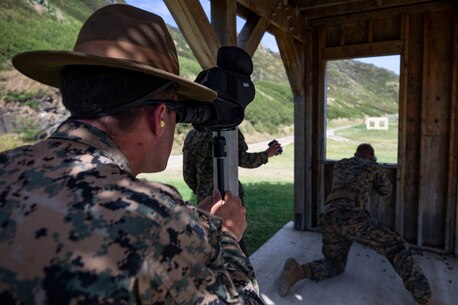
359, 89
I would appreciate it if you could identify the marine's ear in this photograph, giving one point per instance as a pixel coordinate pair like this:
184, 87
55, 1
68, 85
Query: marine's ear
156, 120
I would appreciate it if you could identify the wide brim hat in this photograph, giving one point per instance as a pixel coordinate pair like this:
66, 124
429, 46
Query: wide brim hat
117, 36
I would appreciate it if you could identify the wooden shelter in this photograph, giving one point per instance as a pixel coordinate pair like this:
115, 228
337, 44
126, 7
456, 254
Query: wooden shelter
423, 207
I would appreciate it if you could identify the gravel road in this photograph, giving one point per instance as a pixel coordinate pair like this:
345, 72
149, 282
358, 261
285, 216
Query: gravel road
176, 161
175, 164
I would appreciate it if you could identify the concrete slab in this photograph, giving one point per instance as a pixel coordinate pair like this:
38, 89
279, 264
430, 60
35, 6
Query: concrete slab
368, 280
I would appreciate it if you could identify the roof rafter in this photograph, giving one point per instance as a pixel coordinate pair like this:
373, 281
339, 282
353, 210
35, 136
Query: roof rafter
223, 20
290, 52
251, 34
281, 15
319, 9
195, 27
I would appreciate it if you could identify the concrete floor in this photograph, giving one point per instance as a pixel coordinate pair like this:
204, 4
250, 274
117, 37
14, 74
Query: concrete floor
368, 280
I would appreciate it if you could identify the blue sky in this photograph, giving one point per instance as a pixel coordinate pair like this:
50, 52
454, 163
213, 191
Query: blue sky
388, 62
158, 7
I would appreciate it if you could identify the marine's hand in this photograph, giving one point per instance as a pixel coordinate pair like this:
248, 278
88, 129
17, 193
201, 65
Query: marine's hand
232, 212
274, 149
207, 203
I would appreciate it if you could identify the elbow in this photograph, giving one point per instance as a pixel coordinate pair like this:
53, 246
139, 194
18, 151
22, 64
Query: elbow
385, 193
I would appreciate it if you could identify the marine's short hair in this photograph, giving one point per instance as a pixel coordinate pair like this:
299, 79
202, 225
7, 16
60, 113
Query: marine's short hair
364, 149
91, 90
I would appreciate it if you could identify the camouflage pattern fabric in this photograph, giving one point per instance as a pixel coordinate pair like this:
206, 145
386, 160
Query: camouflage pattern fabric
77, 228
360, 176
198, 161
345, 222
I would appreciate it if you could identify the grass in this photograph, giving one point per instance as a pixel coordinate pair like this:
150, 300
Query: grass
20, 32
269, 207
342, 122
9, 141
385, 143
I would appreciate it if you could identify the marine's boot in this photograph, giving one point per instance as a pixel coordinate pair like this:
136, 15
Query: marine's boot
292, 272
428, 302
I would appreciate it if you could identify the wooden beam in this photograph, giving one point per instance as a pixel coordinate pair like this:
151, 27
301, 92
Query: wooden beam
313, 10
455, 101
452, 205
195, 27
365, 49
410, 123
292, 56
251, 34
365, 9
402, 131
313, 4
223, 21
281, 16
302, 217
319, 125
435, 129
304, 144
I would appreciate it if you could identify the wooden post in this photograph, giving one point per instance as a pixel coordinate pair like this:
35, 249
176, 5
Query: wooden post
223, 21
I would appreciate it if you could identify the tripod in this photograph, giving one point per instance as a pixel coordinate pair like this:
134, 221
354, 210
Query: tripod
219, 153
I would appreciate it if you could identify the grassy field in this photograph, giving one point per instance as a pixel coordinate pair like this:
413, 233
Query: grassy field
385, 142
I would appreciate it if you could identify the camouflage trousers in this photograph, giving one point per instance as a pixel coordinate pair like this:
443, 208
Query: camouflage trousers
341, 227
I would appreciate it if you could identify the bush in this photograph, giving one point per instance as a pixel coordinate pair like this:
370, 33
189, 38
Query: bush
28, 130
24, 98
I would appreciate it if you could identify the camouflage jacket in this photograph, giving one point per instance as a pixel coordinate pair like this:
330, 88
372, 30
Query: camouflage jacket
77, 228
198, 161
360, 176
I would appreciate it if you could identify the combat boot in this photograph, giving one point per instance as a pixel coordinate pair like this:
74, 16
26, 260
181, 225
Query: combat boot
292, 272
428, 302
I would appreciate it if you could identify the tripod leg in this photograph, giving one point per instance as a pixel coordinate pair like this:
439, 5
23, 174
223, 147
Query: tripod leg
219, 153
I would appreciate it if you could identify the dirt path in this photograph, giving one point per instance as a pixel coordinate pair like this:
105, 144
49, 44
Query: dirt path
177, 160
175, 164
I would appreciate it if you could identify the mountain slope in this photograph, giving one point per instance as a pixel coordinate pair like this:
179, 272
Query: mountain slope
356, 89
41, 24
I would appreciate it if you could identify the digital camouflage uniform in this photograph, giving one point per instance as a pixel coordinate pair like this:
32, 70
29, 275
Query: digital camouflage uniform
77, 228
344, 221
198, 162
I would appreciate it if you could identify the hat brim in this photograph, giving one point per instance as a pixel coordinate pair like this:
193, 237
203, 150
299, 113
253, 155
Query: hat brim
45, 67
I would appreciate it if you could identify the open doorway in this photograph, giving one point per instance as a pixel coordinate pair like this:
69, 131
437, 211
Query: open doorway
362, 106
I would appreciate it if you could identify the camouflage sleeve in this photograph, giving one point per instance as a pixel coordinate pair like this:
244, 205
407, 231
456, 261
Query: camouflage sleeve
189, 264
250, 160
382, 183
240, 270
189, 167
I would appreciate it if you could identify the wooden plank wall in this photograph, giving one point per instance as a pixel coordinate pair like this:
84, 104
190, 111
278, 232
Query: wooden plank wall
423, 207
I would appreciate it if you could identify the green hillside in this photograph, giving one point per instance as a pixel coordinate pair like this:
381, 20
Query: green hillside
41, 24
356, 89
